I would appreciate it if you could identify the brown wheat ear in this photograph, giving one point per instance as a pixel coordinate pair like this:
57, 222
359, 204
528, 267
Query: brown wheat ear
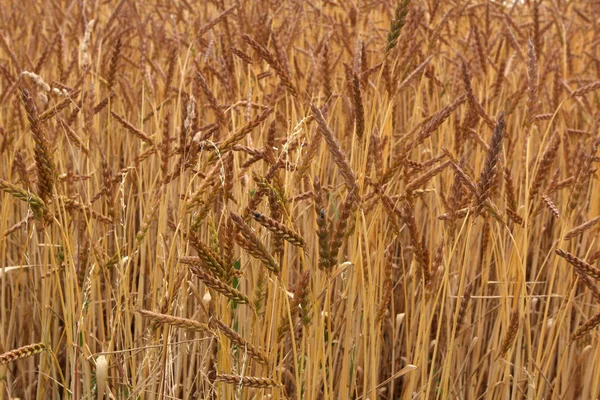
532, 82
251, 243
580, 269
226, 290
544, 166
322, 227
279, 229
341, 228
357, 102
464, 303
511, 200
270, 59
420, 251
511, 333
248, 381
551, 206
236, 338
185, 323
43, 157
211, 259
488, 173
579, 264
22, 352
586, 327
339, 156
582, 228
114, 61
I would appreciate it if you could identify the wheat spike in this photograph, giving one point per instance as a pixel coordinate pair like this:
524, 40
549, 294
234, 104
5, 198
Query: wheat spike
185, 323
398, 21
248, 381
279, 229
586, 327
22, 352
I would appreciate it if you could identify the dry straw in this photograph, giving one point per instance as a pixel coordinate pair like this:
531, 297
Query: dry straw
101, 374
303, 183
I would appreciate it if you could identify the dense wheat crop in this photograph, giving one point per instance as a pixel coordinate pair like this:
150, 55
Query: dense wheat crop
290, 199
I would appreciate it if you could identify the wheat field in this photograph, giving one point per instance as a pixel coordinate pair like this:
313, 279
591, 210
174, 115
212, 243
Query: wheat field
294, 199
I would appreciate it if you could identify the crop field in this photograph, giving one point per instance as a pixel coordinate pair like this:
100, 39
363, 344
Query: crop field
299, 199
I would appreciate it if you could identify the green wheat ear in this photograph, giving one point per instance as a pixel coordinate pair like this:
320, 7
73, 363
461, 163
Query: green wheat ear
38, 206
396, 25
